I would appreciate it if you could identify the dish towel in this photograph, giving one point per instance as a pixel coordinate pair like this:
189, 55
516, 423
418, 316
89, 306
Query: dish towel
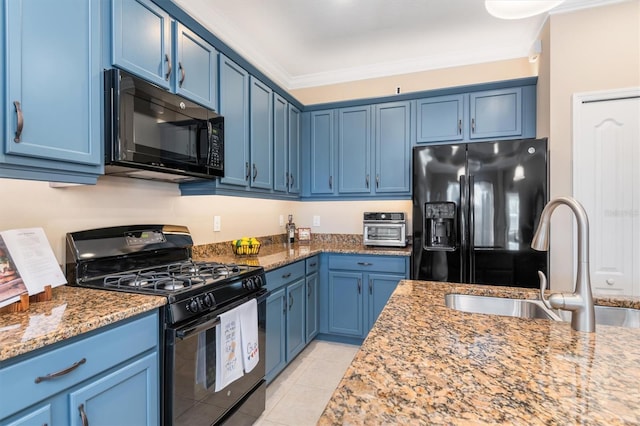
249, 333
228, 349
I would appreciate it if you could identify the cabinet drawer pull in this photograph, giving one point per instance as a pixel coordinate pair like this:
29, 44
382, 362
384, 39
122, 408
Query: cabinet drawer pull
20, 121
61, 372
287, 275
182, 74
312, 265
365, 263
473, 125
168, 61
83, 415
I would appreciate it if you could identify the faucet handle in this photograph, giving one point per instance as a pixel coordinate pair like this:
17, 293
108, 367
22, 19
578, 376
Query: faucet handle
543, 287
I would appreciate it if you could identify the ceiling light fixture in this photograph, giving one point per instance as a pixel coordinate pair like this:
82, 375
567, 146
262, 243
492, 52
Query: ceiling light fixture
518, 9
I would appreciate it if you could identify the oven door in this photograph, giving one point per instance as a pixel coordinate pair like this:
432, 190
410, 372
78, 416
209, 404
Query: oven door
384, 234
190, 375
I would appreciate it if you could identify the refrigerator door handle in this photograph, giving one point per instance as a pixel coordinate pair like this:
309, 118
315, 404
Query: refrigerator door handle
464, 243
472, 226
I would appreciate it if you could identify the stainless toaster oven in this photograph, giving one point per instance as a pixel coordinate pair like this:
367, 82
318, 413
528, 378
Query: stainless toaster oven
384, 229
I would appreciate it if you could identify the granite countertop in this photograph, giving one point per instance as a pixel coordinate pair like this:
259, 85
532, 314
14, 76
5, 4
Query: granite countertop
71, 311
423, 363
275, 255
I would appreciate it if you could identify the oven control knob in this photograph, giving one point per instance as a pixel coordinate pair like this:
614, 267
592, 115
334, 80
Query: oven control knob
208, 300
193, 306
247, 284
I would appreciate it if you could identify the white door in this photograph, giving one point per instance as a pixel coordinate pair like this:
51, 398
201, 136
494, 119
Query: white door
606, 180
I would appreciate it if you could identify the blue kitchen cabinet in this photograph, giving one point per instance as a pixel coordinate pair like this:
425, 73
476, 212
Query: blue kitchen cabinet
118, 386
440, 118
496, 113
234, 106
322, 153
312, 285
354, 150
294, 141
280, 144
392, 148
275, 353
52, 90
261, 134
285, 335
149, 43
196, 67
358, 288
141, 40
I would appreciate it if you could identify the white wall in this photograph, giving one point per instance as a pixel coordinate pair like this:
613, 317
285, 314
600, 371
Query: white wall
122, 201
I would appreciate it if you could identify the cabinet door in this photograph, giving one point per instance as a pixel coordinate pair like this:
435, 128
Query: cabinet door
275, 341
129, 395
354, 150
296, 332
54, 83
440, 118
280, 144
380, 287
261, 136
294, 150
234, 106
196, 67
392, 148
312, 306
141, 40
41, 415
346, 303
496, 113
322, 153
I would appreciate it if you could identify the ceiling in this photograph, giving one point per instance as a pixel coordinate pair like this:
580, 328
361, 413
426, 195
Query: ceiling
305, 43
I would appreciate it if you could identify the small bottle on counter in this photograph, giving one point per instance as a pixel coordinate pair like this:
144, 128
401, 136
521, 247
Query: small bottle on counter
291, 229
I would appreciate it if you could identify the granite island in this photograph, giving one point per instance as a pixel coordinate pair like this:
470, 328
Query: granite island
424, 363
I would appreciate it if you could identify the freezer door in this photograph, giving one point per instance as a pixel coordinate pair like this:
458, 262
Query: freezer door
437, 172
508, 190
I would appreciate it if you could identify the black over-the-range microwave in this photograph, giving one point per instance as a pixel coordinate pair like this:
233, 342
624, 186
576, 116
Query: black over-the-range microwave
151, 133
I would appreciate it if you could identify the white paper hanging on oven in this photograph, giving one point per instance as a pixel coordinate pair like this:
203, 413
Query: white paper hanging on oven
249, 334
228, 349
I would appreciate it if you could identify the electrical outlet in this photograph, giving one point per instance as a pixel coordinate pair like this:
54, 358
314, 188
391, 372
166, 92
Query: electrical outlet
281, 221
216, 224
316, 220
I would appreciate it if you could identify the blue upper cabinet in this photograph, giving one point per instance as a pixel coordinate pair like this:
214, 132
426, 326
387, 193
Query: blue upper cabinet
496, 113
294, 149
261, 134
321, 153
392, 148
234, 106
440, 118
141, 42
280, 144
148, 42
196, 71
354, 150
52, 75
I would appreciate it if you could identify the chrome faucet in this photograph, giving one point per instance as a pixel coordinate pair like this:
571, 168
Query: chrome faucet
580, 302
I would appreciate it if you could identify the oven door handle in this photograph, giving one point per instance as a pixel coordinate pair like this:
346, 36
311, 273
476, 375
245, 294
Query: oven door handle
185, 333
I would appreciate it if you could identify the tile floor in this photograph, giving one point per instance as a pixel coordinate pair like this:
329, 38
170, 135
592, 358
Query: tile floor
299, 394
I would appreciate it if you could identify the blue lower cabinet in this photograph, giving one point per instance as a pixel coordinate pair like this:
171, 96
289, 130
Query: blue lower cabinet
345, 303
312, 285
276, 322
296, 330
109, 377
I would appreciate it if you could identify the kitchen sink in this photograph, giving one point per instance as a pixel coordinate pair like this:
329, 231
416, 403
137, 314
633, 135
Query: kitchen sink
525, 308
522, 308
611, 315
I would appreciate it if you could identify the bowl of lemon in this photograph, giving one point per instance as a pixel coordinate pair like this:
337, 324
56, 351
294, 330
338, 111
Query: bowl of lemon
246, 246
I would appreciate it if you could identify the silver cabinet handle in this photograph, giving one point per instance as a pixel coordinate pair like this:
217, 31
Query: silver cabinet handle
255, 172
182, 74
309, 290
367, 181
246, 171
370, 286
284, 304
20, 121
286, 179
286, 275
61, 372
83, 415
460, 126
377, 181
313, 264
365, 263
291, 180
330, 182
359, 286
473, 125
290, 300
168, 61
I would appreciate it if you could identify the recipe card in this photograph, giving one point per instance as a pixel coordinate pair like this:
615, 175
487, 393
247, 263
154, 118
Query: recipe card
27, 264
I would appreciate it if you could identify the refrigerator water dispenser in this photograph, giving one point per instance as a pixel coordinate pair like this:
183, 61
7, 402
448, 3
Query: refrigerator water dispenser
440, 226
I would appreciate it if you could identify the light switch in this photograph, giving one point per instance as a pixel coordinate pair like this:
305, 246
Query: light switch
216, 224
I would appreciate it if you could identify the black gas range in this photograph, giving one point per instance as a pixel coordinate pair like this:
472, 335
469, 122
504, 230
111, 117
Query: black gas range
156, 260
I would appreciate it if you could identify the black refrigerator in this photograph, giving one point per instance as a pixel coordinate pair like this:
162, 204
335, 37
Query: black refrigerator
475, 209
